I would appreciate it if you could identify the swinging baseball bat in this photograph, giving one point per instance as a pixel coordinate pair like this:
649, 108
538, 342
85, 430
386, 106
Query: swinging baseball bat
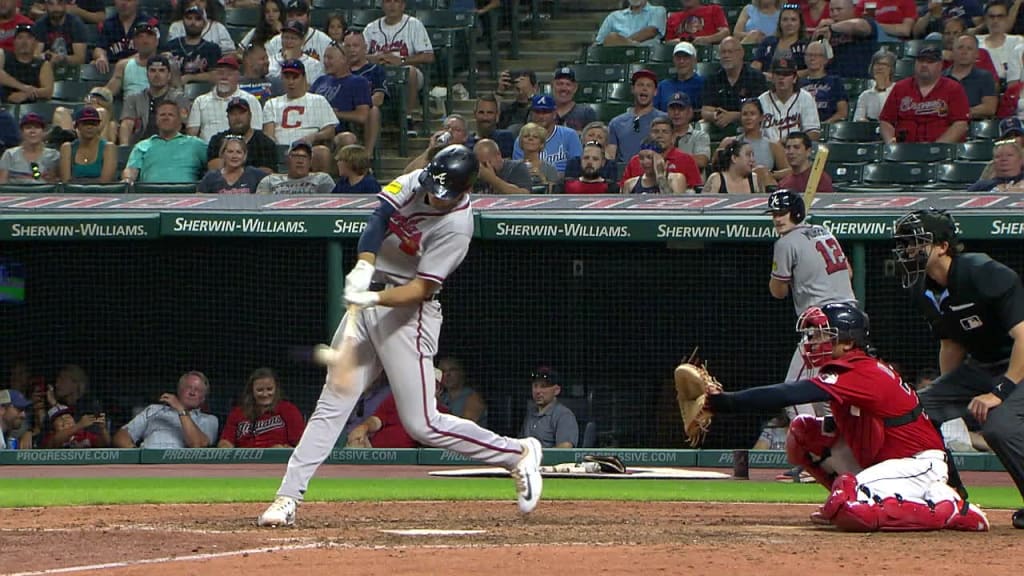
820, 158
341, 361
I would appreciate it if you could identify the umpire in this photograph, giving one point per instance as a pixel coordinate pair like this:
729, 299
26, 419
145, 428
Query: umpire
975, 306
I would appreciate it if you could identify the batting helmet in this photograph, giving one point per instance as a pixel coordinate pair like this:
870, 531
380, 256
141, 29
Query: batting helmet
914, 233
838, 322
452, 172
786, 200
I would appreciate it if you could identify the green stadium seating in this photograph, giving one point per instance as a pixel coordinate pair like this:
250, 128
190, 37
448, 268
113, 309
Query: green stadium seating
620, 92
904, 68
116, 188
893, 175
248, 17
164, 188
918, 152
853, 152
71, 90
662, 53
44, 109
195, 89
958, 175
706, 69
855, 132
89, 73
608, 110
617, 55
27, 188
984, 130
979, 151
361, 17
844, 173
343, 4
237, 32
600, 72
395, 107
591, 92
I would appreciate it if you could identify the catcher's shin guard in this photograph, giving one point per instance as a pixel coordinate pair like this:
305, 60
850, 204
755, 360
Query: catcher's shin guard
844, 490
893, 514
969, 518
807, 445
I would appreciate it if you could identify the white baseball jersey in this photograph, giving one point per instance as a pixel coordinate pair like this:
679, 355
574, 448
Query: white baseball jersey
406, 38
424, 242
314, 69
299, 117
798, 113
209, 113
314, 45
214, 32
812, 261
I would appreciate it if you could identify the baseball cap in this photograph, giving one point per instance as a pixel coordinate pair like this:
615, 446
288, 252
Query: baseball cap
296, 27
643, 73
32, 118
565, 72
144, 28
293, 67
783, 65
1011, 126
195, 9
542, 103
545, 373
680, 99
158, 59
57, 411
15, 398
228, 62
86, 114
685, 48
101, 92
930, 53
297, 6
23, 28
300, 144
239, 102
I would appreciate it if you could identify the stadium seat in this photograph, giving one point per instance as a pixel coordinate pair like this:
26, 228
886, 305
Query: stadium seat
342, 4
248, 17
918, 152
854, 86
123, 152
980, 151
164, 187
600, 72
855, 132
844, 173
116, 188
237, 33
912, 47
706, 69
361, 17
28, 188
904, 68
44, 109
89, 73
421, 5
195, 89
853, 152
984, 130
663, 53
620, 92
608, 110
891, 175
617, 55
958, 175
71, 90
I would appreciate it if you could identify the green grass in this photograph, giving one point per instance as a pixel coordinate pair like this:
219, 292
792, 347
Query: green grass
89, 491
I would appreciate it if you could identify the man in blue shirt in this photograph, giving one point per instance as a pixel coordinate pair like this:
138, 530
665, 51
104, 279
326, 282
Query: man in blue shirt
640, 24
627, 130
116, 35
348, 93
562, 143
687, 80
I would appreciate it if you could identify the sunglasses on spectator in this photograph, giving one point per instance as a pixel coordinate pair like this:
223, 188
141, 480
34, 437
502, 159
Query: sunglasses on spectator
636, 124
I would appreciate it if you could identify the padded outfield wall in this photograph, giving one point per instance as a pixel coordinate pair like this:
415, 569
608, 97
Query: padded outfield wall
611, 291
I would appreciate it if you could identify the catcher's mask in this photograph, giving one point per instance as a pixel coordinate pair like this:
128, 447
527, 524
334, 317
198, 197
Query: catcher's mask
821, 328
915, 234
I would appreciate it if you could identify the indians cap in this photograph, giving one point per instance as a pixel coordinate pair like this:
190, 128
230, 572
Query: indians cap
86, 114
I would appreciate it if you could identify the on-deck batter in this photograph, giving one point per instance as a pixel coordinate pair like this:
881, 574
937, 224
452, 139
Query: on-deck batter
417, 237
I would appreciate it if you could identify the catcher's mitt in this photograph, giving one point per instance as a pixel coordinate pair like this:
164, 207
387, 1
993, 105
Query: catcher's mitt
609, 464
692, 384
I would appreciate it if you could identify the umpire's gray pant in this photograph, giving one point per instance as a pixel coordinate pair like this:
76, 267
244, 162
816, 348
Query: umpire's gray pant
947, 399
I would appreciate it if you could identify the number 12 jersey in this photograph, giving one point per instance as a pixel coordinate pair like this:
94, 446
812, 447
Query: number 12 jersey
812, 261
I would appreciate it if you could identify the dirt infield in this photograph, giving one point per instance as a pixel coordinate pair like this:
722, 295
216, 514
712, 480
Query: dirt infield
590, 537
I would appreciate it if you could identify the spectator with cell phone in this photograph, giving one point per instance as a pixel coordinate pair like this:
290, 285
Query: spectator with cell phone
90, 431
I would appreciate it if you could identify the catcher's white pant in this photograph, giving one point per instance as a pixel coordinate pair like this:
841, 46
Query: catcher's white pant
920, 478
402, 342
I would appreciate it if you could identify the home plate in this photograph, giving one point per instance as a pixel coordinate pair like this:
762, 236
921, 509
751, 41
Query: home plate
434, 532
573, 472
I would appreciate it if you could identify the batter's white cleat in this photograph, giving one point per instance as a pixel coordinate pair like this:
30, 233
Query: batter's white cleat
529, 483
280, 513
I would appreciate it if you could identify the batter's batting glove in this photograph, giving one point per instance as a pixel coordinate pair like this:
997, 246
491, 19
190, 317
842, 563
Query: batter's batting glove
358, 280
361, 298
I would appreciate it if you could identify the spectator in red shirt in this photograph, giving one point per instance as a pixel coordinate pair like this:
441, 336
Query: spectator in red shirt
263, 420
798, 156
926, 107
10, 19
384, 429
895, 18
813, 12
676, 161
591, 179
697, 23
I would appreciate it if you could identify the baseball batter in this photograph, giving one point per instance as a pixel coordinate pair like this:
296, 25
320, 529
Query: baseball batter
808, 263
975, 306
415, 239
878, 453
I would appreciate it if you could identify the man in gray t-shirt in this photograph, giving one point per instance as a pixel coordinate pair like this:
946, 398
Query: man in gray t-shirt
809, 263
547, 419
498, 175
176, 422
298, 180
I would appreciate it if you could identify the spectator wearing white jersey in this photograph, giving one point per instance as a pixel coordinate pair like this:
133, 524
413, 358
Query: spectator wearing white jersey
786, 107
291, 49
397, 39
314, 42
209, 113
298, 115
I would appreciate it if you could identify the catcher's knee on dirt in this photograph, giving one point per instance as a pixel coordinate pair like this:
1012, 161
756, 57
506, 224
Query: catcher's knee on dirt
809, 446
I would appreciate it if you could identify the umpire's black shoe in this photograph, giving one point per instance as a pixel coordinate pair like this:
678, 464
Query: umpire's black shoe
1018, 519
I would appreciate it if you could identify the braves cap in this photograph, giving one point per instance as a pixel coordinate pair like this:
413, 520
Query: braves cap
32, 119
194, 9
86, 114
643, 73
239, 102
685, 48
930, 53
293, 67
298, 6
565, 72
14, 398
1011, 126
295, 26
680, 99
542, 103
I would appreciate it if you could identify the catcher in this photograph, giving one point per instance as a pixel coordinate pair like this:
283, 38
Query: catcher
878, 454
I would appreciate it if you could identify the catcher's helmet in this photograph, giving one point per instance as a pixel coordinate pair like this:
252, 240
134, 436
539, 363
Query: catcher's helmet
452, 172
838, 322
914, 233
786, 200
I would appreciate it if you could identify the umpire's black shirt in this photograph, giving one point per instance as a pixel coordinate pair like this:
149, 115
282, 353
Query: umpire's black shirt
981, 302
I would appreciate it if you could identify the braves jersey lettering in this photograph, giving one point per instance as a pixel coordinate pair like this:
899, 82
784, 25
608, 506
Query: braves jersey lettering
405, 229
924, 108
291, 117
